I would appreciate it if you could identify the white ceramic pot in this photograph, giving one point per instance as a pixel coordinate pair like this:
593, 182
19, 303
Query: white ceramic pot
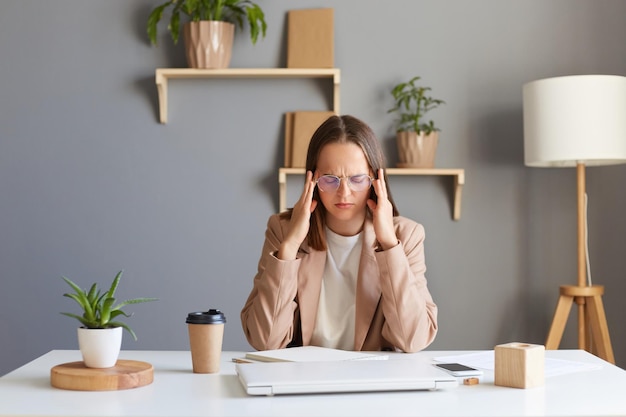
100, 347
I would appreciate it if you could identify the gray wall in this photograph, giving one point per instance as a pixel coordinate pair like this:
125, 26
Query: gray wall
91, 183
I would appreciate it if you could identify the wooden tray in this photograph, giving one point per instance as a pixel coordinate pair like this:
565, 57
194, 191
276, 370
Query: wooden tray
124, 375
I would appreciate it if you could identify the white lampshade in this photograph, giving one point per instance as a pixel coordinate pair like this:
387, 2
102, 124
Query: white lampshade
572, 119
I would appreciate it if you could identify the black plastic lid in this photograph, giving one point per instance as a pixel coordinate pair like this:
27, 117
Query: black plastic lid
212, 316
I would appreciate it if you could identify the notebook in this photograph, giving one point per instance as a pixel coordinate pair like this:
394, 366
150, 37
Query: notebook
274, 378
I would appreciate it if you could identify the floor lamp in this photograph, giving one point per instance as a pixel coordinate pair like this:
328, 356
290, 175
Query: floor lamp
577, 121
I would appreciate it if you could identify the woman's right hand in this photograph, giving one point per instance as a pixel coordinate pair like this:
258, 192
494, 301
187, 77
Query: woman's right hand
300, 220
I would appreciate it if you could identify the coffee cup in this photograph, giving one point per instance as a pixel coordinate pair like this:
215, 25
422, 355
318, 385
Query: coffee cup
206, 332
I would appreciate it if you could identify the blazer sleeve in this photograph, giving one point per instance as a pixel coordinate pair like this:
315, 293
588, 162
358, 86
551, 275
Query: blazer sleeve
409, 310
268, 316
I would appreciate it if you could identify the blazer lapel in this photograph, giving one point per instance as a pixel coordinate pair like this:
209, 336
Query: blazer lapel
368, 290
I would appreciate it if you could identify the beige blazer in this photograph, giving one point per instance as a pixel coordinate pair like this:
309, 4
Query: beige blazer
394, 309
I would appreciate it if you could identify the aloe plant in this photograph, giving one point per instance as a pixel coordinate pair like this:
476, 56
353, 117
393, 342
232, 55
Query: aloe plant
412, 103
233, 11
100, 309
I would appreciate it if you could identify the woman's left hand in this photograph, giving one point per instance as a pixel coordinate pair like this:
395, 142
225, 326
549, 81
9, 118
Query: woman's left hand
382, 213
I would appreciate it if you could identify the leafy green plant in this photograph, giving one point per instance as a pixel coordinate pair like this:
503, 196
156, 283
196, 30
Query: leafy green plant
100, 309
412, 103
232, 11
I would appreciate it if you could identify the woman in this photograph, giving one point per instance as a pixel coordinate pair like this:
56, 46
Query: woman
342, 269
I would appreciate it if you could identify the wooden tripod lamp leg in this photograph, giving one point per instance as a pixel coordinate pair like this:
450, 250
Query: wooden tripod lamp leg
600, 328
559, 321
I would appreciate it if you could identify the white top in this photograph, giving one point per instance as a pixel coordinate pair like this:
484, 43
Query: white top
334, 325
177, 391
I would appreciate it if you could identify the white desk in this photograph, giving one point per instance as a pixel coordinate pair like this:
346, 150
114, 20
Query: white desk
176, 391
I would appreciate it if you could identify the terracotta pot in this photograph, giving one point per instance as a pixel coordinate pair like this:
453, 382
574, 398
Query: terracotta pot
417, 150
208, 43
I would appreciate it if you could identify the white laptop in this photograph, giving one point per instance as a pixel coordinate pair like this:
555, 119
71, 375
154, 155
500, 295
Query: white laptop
274, 378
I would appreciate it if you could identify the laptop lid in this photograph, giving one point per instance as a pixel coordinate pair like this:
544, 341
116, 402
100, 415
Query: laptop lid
341, 376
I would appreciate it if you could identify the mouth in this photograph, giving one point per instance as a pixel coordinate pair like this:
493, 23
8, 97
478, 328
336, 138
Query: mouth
344, 205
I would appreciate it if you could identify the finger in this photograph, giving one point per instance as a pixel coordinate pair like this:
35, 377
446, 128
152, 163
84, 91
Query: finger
310, 186
307, 186
381, 178
379, 185
307, 195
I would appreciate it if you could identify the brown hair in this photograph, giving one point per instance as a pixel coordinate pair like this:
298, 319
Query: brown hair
342, 129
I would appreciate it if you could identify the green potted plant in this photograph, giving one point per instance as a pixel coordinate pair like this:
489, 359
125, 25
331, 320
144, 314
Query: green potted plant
204, 22
416, 138
100, 336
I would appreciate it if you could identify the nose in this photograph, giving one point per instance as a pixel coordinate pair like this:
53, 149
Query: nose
344, 187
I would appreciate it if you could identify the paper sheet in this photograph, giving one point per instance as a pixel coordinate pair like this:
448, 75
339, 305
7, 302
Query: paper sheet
485, 360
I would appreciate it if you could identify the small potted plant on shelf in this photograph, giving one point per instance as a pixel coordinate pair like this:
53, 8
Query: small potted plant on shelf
416, 139
209, 27
100, 336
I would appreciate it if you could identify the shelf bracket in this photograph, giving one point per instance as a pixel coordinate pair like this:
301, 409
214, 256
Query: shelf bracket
161, 83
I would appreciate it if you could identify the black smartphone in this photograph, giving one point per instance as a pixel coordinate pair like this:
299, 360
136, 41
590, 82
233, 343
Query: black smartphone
458, 369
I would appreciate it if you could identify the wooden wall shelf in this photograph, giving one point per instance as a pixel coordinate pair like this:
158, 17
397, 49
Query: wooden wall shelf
164, 74
458, 174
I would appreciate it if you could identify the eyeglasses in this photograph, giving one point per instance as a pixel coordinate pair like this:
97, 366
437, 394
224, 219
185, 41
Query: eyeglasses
331, 183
